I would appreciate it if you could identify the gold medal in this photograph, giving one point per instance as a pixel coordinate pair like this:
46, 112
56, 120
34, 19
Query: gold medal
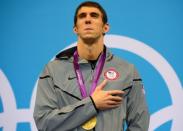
90, 124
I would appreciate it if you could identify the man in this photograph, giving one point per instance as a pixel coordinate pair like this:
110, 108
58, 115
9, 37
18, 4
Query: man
88, 88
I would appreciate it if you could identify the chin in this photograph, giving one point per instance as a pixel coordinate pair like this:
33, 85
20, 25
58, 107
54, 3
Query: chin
90, 40
90, 36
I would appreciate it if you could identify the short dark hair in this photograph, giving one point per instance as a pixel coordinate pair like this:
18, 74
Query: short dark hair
91, 4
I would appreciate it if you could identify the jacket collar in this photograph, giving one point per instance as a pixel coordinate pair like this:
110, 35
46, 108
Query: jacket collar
68, 55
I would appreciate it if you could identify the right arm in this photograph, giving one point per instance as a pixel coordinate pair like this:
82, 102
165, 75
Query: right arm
50, 116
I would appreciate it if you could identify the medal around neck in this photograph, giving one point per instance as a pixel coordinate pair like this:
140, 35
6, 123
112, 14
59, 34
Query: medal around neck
90, 124
93, 121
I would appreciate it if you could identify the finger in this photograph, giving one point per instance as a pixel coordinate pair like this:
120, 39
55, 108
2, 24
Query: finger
115, 92
102, 85
116, 98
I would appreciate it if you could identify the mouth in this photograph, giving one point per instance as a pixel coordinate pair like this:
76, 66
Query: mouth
88, 29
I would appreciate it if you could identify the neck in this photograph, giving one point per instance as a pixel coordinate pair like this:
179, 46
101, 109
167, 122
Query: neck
90, 51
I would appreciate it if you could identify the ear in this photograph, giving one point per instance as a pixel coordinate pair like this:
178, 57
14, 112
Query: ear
106, 28
75, 30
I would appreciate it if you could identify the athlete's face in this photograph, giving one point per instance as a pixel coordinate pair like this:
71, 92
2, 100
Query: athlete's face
89, 23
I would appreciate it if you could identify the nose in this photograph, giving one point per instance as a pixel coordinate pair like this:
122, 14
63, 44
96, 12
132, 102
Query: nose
87, 22
88, 19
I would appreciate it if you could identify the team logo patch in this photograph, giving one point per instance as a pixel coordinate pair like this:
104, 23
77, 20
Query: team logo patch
111, 74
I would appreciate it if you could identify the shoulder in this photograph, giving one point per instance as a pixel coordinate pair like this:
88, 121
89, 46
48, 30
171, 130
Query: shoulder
114, 59
122, 65
62, 59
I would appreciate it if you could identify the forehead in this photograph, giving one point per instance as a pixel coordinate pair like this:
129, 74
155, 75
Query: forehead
86, 9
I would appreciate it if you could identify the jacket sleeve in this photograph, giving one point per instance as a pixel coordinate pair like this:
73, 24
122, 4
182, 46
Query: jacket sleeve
137, 111
49, 116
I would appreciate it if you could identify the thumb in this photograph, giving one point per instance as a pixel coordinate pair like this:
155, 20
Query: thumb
102, 85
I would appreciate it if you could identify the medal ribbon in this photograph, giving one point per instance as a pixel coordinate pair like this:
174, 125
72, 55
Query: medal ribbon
96, 75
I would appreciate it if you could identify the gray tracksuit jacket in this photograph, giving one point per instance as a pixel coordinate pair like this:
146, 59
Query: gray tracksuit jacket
60, 107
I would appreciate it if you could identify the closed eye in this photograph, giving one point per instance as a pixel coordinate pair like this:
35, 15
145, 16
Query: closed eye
94, 15
82, 15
